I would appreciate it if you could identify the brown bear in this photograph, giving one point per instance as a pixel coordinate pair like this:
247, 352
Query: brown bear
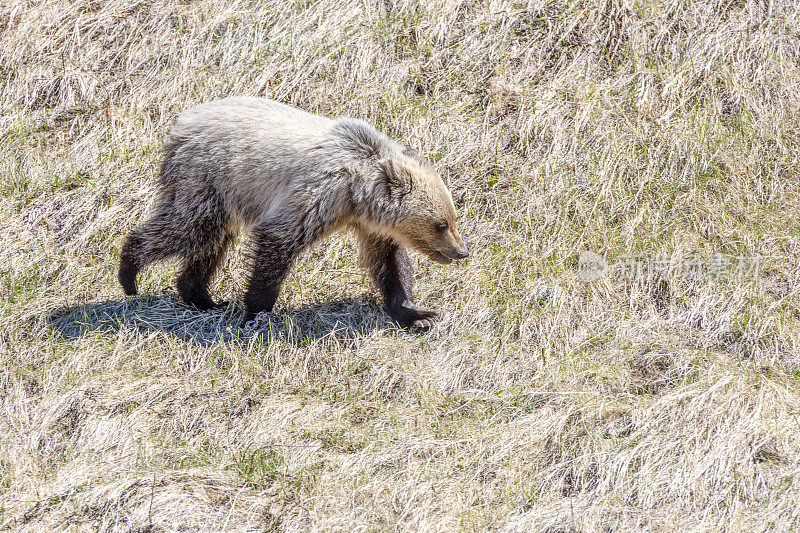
291, 178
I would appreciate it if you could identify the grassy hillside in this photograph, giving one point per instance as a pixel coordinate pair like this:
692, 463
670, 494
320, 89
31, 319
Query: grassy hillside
663, 134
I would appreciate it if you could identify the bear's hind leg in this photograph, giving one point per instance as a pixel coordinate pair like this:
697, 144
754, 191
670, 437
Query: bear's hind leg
129, 264
196, 230
390, 268
271, 256
155, 240
199, 268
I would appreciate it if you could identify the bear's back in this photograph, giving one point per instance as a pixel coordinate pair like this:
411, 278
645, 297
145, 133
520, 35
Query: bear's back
239, 119
254, 152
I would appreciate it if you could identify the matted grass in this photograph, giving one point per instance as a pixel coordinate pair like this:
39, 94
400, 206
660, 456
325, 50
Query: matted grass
665, 401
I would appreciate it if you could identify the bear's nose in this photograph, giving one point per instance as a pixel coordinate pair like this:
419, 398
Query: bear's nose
462, 253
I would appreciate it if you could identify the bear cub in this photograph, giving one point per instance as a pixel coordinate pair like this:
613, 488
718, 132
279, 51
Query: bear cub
289, 178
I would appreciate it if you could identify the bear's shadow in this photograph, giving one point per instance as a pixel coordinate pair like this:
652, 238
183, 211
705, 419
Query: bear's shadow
340, 319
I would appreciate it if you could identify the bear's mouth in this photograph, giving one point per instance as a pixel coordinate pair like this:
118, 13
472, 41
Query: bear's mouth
439, 257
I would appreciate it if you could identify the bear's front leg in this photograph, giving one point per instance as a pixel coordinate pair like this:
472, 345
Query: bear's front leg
271, 255
390, 268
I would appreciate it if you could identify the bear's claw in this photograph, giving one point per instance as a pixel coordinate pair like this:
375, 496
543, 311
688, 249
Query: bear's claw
415, 318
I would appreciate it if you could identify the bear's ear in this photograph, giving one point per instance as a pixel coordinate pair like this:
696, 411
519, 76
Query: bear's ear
398, 179
411, 152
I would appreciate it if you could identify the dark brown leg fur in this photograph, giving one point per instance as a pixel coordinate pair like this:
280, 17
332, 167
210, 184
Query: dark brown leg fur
128, 264
200, 239
154, 240
390, 268
197, 272
272, 254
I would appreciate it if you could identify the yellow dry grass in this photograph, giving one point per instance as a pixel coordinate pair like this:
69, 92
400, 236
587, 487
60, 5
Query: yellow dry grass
665, 401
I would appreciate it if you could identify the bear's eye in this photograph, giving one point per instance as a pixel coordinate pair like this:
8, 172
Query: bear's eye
441, 227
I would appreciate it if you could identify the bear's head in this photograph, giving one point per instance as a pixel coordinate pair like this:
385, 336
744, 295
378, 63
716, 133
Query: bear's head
424, 214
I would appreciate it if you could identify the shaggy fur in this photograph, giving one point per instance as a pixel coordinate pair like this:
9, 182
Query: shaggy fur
290, 178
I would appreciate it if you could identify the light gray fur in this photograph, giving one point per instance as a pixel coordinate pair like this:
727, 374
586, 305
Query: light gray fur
269, 161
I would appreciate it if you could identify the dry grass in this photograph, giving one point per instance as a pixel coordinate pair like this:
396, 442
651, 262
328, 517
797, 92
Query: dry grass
669, 402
